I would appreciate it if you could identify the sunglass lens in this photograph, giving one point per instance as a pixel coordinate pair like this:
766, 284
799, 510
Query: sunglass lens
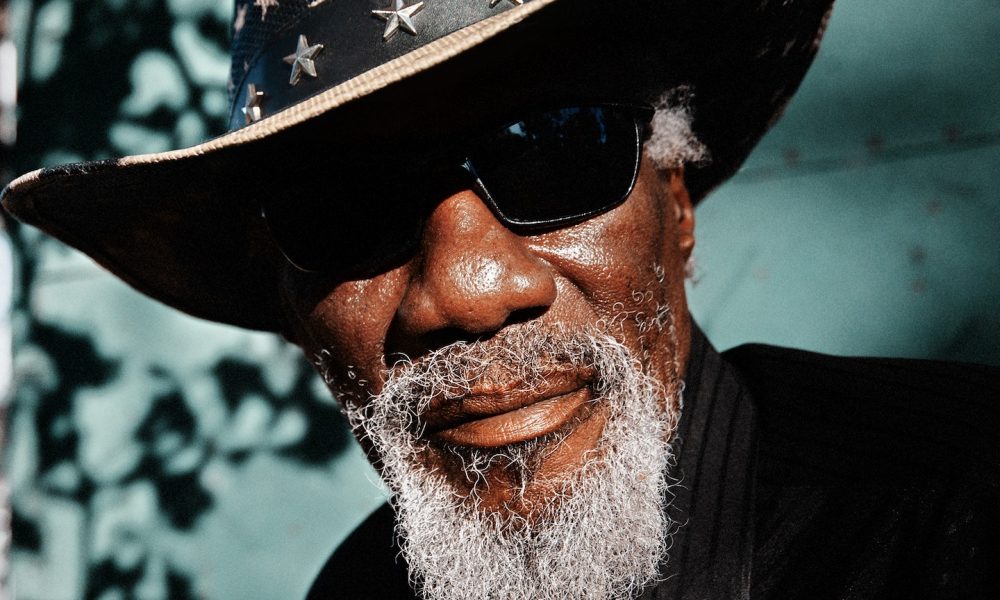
345, 230
548, 170
560, 166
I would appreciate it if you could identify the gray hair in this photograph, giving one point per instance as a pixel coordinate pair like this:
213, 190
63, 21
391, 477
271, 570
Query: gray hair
672, 143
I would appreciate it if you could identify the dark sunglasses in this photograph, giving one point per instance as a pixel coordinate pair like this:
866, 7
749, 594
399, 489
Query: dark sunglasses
549, 170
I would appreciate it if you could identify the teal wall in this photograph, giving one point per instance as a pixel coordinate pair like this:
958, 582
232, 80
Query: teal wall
868, 221
156, 456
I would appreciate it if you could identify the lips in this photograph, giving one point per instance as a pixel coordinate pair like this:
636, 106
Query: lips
495, 416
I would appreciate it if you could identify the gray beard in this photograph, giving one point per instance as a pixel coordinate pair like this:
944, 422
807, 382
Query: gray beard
603, 531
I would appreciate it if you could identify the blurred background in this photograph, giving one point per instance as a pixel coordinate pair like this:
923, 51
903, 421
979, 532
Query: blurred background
150, 455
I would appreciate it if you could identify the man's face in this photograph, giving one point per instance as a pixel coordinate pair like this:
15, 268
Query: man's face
518, 393
473, 280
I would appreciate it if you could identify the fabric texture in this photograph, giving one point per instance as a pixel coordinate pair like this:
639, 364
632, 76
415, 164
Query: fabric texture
803, 476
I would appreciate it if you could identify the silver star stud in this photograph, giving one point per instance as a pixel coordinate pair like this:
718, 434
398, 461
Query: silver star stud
514, 2
398, 16
302, 60
253, 109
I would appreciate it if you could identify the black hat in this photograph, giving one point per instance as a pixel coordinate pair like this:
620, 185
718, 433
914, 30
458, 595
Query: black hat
315, 78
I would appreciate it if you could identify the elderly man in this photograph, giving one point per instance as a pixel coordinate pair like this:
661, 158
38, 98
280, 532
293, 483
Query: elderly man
475, 216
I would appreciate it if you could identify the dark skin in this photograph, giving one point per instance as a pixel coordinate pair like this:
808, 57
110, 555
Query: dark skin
471, 278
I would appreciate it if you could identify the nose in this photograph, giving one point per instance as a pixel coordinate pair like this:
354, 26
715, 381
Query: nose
471, 275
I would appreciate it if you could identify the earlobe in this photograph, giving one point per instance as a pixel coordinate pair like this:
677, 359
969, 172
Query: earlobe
683, 212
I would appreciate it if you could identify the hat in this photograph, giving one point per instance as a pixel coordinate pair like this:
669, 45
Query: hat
313, 80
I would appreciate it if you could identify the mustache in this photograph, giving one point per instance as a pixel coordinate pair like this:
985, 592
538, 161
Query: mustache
512, 362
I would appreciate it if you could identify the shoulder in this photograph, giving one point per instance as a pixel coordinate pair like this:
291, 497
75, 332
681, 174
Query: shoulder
874, 419
366, 565
877, 478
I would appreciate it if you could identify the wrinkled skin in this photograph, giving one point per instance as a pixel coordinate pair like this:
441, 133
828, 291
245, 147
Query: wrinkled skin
471, 278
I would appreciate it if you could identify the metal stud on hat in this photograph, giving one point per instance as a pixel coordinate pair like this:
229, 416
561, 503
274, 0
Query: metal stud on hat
302, 60
398, 16
253, 109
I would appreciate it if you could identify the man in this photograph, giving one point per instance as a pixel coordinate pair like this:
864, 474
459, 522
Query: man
475, 218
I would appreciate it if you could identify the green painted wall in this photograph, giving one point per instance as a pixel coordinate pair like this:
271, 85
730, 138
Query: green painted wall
867, 222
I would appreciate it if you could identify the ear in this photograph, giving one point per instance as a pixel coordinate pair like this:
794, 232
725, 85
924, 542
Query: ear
683, 212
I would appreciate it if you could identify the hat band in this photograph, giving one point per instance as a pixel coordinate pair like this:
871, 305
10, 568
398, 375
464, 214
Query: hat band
337, 40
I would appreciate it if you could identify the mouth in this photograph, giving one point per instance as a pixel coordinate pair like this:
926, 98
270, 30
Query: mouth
491, 418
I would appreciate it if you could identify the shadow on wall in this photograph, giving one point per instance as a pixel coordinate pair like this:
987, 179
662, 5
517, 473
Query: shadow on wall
132, 470
115, 454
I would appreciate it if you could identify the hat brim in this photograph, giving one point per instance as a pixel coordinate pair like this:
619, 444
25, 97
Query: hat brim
184, 226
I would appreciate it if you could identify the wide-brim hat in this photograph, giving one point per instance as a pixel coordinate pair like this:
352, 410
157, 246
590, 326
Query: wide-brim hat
184, 226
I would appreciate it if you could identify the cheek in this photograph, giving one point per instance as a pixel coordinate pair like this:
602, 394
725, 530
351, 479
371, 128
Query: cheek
344, 326
617, 255
625, 269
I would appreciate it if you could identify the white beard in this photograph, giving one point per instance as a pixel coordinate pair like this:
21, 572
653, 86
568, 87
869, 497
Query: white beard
604, 531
